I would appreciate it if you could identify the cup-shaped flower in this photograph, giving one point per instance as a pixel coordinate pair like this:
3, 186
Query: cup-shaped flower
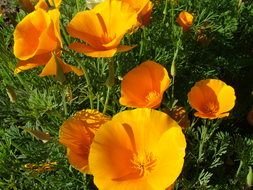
37, 41
102, 28
144, 85
77, 134
138, 149
185, 20
211, 98
143, 9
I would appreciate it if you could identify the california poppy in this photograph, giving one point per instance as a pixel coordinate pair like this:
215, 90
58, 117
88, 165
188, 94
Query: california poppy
77, 134
144, 85
138, 149
185, 20
212, 98
102, 28
37, 42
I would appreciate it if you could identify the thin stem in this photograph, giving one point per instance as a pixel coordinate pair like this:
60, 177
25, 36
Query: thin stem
109, 82
165, 10
239, 169
77, 5
173, 67
142, 42
65, 108
202, 142
85, 187
107, 99
86, 76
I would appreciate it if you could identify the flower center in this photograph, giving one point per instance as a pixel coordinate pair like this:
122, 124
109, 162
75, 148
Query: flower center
153, 95
210, 108
144, 163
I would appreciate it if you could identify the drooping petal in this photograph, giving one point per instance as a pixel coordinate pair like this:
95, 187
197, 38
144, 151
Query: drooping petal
90, 51
52, 67
35, 61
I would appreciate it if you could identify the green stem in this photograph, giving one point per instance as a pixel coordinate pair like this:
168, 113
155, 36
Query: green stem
109, 82
239, 169
65, 108
142, 42
202, 142
89, 89
77, 5
107, 99
173, 67
165, 10
86, 76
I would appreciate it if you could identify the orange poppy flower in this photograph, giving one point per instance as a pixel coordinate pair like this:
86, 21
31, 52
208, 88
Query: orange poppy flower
77, 134
144, 85
44, 5
37, 42
185, 20
143, 9
138, 149
212, 98
102, 28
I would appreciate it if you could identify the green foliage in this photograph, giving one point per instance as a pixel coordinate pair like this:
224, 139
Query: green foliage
219, 45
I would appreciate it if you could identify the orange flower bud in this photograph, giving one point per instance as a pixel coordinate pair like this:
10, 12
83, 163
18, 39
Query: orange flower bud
185, 20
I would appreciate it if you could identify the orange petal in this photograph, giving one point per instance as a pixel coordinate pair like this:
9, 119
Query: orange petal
90, 31
90, 51
123, 48
113, 13
34, 35
33, 62
78, 161
51, 67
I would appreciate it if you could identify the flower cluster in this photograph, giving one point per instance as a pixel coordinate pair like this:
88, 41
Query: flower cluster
139, 148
